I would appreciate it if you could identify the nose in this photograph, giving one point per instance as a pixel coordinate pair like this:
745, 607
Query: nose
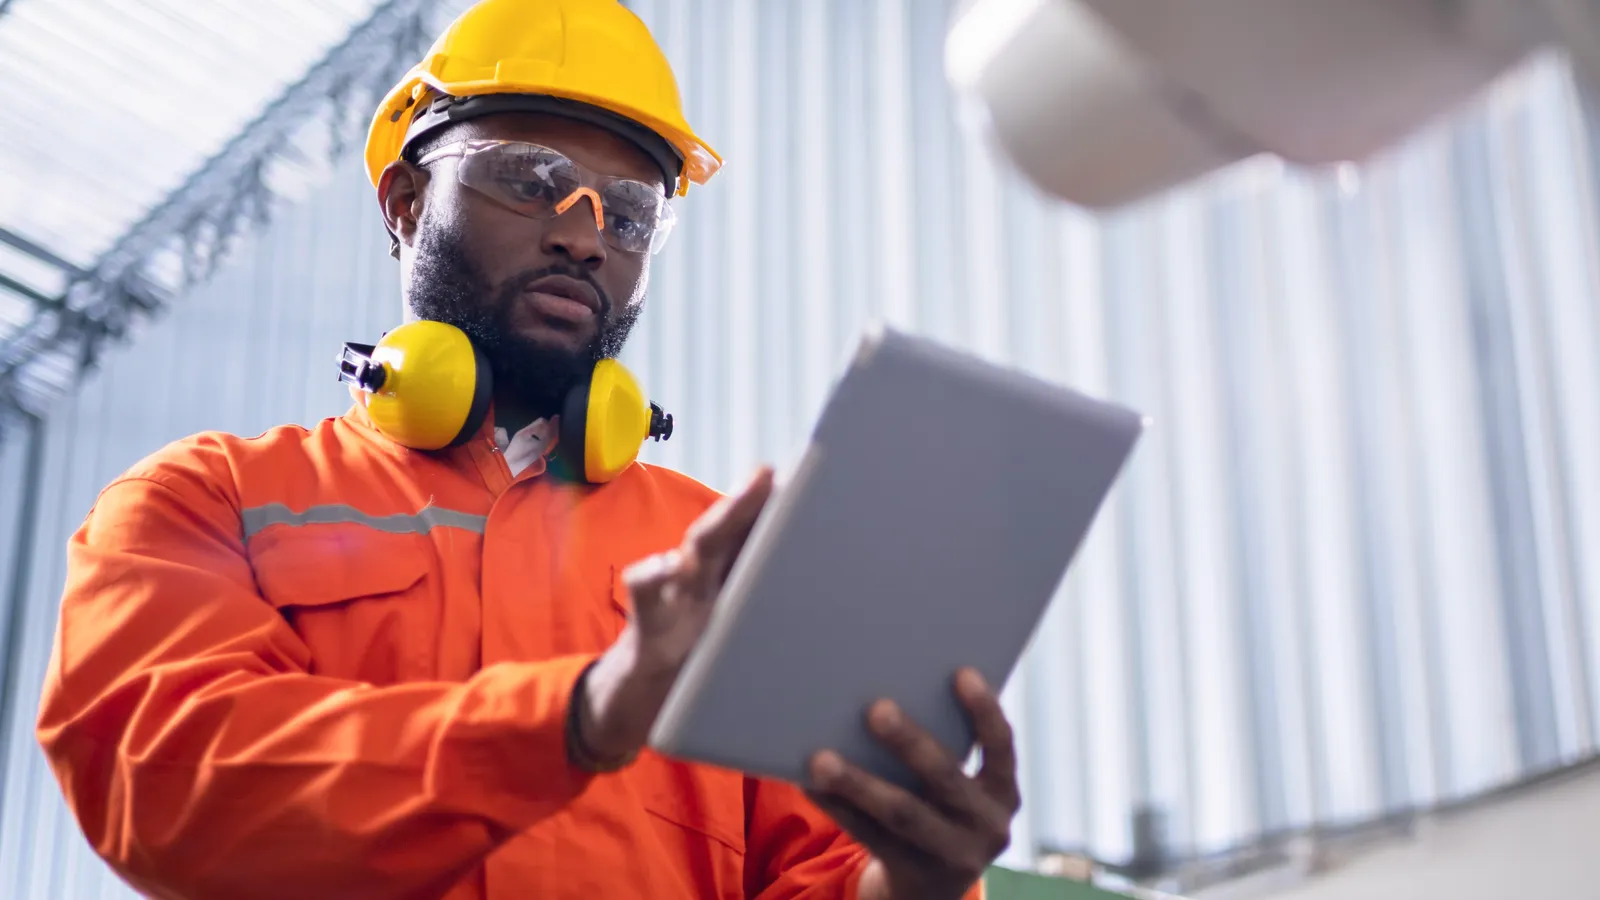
575, 232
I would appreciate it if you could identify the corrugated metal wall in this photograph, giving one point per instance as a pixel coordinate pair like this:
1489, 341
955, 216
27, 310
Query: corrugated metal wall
254, 348
1345, 575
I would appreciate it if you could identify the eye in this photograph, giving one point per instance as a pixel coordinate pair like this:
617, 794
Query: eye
529, 189
632, 208
624, 220
531, 178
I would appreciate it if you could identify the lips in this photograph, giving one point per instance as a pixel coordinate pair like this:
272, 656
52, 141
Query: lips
568, 288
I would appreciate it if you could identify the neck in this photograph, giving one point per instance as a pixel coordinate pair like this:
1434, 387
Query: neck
514, 413
511, 414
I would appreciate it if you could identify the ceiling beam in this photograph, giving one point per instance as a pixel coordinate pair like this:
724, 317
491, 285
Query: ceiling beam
17, 287
18, 242
198, 217
372, 44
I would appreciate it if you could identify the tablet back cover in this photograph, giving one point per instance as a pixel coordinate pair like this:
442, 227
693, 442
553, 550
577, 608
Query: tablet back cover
926, 528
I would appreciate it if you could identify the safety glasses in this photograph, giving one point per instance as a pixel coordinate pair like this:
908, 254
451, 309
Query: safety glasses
541, 183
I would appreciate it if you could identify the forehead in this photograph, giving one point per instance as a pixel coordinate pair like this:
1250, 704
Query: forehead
590, 146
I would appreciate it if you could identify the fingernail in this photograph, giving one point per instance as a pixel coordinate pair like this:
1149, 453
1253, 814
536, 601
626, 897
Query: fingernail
976, 680
886, 715
826, 768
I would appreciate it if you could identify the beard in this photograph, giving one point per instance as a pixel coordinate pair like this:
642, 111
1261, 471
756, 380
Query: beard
447, 286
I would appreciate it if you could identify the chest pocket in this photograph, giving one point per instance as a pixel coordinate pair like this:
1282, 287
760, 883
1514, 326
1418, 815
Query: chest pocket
362, 600
698, 815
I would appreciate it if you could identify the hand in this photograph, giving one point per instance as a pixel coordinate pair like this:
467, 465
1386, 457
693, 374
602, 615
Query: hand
673, 594
939, 844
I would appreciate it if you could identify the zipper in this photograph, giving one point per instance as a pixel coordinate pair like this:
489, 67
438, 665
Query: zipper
500, 455
498, 466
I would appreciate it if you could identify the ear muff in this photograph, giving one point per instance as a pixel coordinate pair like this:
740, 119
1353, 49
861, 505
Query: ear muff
604, 422
425, 384
428, 387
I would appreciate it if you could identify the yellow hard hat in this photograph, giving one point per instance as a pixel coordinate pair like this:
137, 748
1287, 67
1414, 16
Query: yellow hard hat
582, 58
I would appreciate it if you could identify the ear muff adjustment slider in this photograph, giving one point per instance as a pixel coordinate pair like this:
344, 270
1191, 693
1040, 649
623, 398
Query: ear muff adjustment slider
660, 423
355, 368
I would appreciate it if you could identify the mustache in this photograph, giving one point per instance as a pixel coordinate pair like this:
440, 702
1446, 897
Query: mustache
520, 282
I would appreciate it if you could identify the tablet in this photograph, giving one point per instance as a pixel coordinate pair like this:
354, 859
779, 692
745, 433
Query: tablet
926, 528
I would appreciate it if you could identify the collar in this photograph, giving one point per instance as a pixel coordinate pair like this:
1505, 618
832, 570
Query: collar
522, 450
529, 446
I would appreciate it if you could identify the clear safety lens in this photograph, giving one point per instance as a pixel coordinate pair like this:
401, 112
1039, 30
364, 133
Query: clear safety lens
536, 182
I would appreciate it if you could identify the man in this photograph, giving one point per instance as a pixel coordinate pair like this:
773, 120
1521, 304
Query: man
317, 663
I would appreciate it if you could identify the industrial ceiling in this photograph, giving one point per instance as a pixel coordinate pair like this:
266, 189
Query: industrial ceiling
140, 138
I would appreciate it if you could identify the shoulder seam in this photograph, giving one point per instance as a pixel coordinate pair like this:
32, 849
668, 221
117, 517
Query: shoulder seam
156, 478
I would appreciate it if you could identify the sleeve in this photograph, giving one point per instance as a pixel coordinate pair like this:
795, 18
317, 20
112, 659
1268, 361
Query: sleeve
793, 851
201, 757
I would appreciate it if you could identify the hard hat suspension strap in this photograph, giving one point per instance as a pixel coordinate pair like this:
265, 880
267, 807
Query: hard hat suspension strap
442, 110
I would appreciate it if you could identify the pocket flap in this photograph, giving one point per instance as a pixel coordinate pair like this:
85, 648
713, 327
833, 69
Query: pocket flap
620, 597
703, 799
326, 564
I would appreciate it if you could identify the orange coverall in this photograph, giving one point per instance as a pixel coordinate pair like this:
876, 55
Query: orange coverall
318, 664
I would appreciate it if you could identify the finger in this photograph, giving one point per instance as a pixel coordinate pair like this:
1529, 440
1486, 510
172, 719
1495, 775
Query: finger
658, 582
649, 582
894, 810
998, 775
714, 540
874, 837
733, 513
940, 773
646, 577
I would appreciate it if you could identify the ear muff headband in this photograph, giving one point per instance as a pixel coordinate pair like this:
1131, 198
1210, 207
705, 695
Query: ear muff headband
428, 387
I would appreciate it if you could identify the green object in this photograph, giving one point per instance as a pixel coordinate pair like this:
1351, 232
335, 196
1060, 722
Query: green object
1006, 884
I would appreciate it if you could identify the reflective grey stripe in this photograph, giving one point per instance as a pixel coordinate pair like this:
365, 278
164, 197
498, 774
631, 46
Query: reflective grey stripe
430, 517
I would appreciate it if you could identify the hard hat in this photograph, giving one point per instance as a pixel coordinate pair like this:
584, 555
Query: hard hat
587, 59
426, 386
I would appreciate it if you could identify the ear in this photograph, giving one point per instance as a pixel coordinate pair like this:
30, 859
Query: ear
400, 192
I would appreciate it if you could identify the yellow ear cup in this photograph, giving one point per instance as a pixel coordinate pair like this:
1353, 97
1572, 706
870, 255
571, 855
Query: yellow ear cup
425, 385
605, 422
